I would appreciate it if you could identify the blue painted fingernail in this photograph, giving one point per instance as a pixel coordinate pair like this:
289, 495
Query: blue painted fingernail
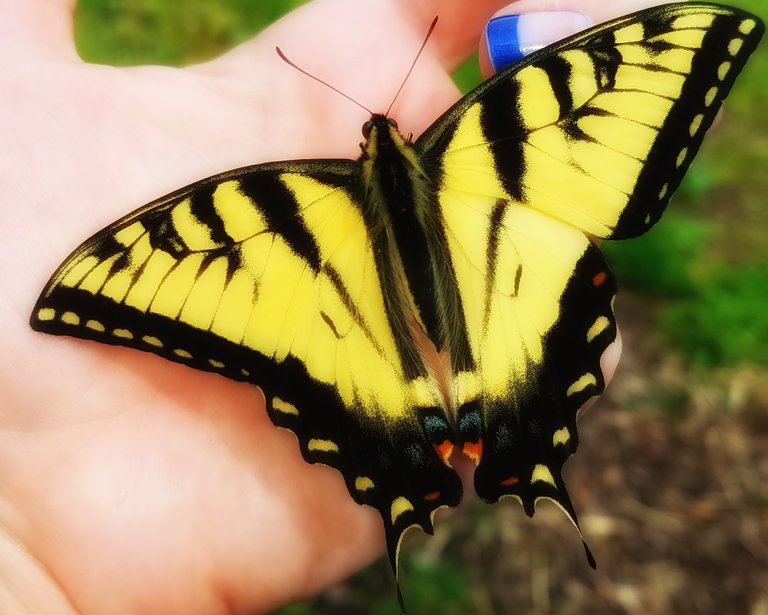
503, 41
512, 37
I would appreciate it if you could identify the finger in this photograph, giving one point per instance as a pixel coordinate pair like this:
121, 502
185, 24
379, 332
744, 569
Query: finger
37, 29
597, 10
373, 33
528, 25
365, 50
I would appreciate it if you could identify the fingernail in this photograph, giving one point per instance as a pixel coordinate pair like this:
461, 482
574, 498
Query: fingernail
512, 37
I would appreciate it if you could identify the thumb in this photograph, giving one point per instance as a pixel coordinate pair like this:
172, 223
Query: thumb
36, 29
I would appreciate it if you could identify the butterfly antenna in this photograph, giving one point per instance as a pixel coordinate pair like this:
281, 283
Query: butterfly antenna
413, 64
325, 83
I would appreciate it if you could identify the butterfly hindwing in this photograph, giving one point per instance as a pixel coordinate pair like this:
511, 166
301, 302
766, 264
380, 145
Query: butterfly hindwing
267, 275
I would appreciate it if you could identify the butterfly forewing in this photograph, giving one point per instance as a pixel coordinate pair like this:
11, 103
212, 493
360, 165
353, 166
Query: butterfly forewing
599, 130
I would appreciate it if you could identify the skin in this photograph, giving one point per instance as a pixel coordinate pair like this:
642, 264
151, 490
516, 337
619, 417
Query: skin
129, 484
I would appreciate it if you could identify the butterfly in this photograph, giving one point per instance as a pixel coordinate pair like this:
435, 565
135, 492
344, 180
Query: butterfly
433, 296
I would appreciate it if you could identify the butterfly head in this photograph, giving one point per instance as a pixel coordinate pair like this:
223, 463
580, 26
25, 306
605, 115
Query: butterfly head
382, 138
377, 122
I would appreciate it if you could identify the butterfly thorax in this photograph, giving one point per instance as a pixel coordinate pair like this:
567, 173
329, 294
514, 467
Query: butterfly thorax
392, 174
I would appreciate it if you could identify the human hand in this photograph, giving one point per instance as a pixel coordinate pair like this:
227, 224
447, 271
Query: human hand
120, 470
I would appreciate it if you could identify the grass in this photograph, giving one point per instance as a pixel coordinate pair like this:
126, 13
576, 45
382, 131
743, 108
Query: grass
724, 321
130, 32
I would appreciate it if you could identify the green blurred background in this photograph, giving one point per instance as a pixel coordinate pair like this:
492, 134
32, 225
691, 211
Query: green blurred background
672, 472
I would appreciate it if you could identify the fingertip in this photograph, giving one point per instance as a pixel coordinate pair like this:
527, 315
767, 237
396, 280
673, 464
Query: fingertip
610, 359
35, 28
510, 36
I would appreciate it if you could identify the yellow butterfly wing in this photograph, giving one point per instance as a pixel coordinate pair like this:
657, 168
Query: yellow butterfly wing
266, 274
589, 136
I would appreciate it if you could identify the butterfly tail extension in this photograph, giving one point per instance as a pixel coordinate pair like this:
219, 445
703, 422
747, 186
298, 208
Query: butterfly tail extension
414, 477
398, 467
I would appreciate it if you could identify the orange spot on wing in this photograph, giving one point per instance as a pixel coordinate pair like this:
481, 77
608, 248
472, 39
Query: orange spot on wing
599, 278
444, 449
432, 496
508, 482
473, 450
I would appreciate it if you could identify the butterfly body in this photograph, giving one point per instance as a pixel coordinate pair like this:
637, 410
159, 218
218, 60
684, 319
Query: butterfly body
432, 296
